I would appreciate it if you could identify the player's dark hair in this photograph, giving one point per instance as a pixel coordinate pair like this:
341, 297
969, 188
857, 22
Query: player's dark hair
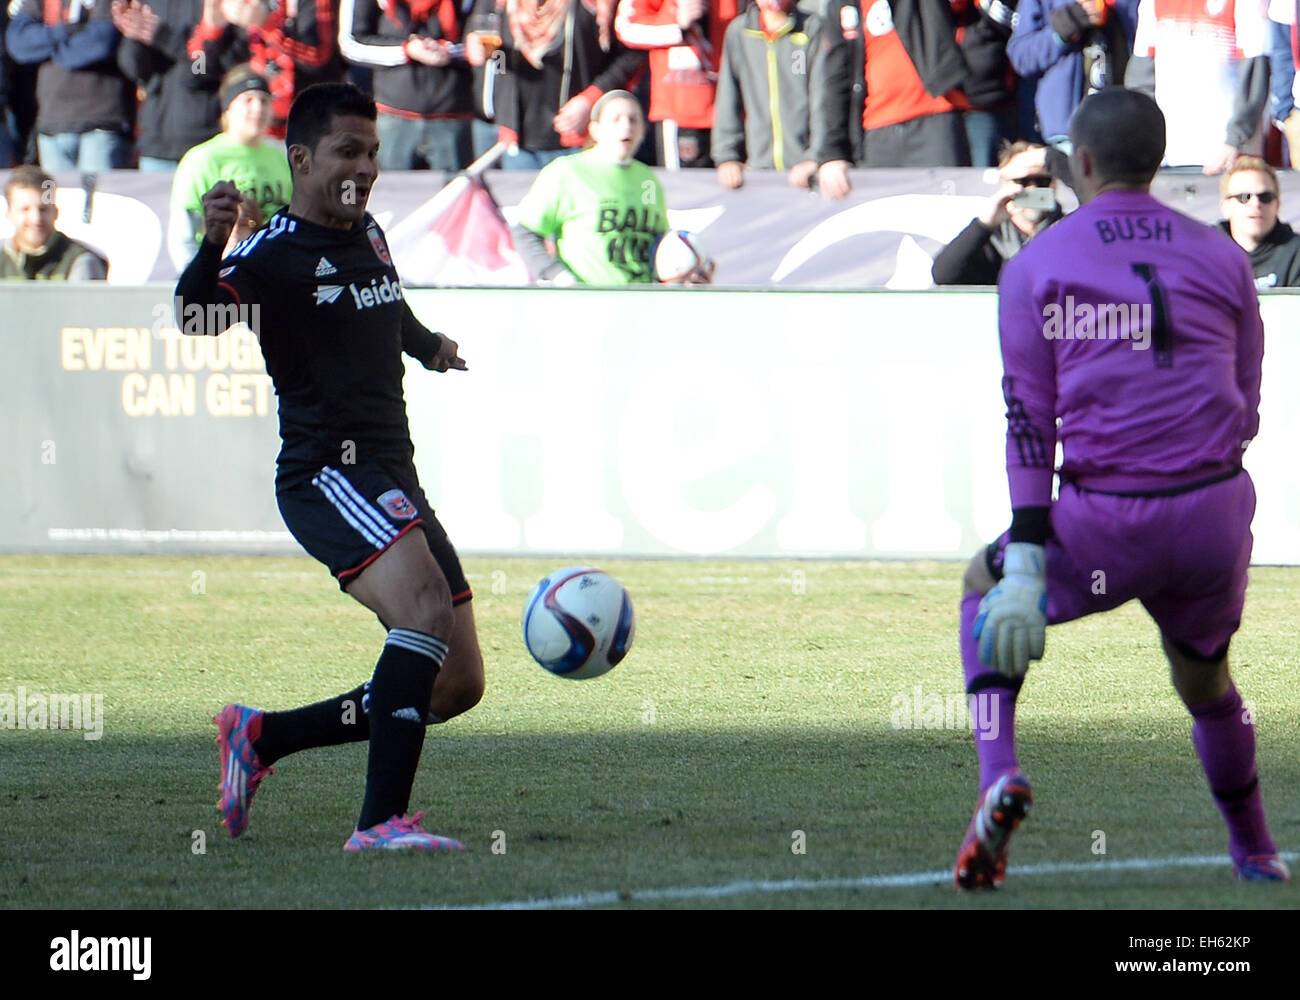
1124, 130
315, 109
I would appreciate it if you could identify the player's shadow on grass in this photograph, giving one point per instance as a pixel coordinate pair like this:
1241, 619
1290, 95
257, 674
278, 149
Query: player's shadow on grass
116, 822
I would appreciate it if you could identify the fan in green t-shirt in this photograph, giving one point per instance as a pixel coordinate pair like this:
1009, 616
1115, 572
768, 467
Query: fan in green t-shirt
604, 210
241, 154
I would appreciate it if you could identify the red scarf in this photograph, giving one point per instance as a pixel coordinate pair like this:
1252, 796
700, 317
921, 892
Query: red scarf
535, 25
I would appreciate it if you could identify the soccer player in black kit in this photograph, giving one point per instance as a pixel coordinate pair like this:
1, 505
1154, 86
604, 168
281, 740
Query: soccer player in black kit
333, 326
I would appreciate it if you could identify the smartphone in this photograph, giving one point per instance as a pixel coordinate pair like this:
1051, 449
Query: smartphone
1043, 199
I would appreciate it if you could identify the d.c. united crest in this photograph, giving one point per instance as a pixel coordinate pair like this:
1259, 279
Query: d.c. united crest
396, 504
377, 241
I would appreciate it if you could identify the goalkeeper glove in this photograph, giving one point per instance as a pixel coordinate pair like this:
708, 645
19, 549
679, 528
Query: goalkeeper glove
1011, 627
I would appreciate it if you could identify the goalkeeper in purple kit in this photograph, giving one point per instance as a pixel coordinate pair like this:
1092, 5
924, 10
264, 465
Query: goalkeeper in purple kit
1131, 335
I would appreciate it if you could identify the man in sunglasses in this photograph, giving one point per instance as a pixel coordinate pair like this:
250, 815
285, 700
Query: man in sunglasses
1250, 207
1021, 208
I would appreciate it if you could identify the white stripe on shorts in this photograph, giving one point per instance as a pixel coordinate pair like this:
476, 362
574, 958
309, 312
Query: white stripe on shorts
357, 519
360, 505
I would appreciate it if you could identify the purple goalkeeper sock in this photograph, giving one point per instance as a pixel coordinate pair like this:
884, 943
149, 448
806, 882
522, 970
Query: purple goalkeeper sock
1224, 737
992, 699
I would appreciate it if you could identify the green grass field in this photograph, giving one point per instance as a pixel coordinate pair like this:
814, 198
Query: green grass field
756, 704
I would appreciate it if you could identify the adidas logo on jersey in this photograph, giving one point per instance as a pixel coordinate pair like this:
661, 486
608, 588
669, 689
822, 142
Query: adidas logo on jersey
324, 269
326, 294
376, 292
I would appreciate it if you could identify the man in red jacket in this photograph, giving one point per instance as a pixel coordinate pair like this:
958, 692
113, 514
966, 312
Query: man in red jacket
293, 46
895, 65
684, 38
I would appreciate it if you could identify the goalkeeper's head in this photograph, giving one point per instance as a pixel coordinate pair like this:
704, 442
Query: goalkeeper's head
1119, 142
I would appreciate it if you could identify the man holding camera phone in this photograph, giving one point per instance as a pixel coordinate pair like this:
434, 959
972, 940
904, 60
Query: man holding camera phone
1023, 206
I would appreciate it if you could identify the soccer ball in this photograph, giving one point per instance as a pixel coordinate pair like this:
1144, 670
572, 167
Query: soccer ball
578, 622
678, 254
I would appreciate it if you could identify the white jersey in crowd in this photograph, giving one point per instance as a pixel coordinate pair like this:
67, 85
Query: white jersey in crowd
1198, 46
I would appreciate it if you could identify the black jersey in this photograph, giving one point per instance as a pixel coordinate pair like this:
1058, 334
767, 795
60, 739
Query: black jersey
330, 314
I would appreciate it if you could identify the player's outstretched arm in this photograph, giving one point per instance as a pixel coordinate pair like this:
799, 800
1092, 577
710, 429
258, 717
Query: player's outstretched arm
1011, 627
436, 351
448, 357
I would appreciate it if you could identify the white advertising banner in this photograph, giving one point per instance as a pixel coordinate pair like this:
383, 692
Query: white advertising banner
639, 422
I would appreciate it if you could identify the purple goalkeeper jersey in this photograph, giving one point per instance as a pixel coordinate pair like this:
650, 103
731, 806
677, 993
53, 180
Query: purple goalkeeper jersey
1137, 328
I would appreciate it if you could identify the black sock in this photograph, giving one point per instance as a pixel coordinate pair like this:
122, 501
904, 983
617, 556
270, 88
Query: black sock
399, 701
324, 724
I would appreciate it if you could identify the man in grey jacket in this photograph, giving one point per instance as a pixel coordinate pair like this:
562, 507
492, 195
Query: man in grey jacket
762, 123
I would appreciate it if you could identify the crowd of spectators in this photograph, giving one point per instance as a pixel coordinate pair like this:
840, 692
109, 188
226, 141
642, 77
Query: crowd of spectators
731, 84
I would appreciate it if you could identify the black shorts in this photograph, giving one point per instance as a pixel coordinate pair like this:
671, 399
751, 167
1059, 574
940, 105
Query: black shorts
346, 518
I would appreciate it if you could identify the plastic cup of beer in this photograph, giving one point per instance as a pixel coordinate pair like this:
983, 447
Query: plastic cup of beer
488, 29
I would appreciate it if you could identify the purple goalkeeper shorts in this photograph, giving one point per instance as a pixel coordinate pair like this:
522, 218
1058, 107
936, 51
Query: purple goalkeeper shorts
1184, 557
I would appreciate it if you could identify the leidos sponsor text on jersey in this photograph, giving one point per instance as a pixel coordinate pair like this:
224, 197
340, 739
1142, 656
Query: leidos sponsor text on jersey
385, 292
379, 292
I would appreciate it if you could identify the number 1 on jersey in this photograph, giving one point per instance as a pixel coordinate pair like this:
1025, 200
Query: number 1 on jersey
1162, 337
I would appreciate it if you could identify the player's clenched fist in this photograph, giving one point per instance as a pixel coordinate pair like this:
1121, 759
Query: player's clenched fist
220, 212
1011, 627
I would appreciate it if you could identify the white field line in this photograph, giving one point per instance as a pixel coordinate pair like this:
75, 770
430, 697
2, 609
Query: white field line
907, 880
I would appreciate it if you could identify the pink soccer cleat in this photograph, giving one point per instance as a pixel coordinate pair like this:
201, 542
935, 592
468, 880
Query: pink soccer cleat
241, 772
401, 833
